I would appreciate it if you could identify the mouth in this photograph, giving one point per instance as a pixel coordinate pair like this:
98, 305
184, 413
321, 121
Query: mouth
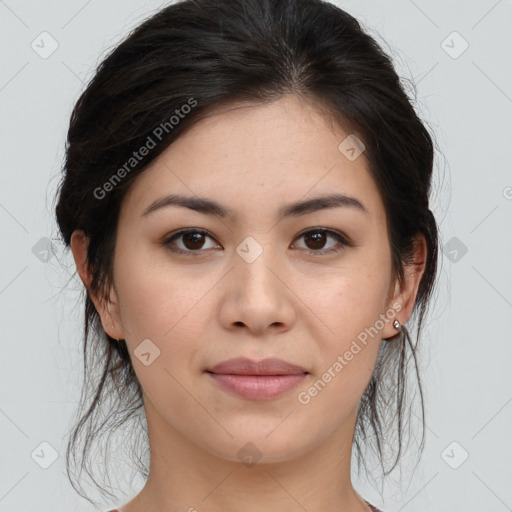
257, 380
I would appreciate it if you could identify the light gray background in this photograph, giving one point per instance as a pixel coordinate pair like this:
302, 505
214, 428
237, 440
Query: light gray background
467, 101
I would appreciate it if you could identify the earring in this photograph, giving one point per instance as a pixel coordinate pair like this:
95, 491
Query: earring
396, 325
112, 328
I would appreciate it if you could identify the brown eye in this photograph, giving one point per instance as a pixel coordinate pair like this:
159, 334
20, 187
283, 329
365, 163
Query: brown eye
316, 240
192, 241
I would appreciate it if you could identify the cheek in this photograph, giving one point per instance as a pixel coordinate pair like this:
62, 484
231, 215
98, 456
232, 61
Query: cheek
347, 357
349, 301
350, 304
161, 305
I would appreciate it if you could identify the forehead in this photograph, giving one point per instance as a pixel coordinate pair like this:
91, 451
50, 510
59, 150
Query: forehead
258, 156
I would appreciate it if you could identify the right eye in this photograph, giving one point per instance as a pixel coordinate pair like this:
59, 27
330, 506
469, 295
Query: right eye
192, 241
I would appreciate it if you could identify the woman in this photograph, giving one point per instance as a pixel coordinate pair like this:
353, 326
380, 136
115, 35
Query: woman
246, 196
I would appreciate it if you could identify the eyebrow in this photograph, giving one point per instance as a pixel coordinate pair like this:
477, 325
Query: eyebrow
210, 207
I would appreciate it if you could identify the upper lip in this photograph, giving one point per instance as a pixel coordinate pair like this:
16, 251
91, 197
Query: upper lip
245, 366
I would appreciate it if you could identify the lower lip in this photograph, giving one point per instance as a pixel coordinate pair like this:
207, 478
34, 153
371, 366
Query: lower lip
257, 387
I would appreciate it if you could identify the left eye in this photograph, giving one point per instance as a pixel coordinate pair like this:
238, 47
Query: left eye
193, 240
318, 237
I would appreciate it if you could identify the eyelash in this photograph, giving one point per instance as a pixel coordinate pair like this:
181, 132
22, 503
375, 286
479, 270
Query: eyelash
340, 238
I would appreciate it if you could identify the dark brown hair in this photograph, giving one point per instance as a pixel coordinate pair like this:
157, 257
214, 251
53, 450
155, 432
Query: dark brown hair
212, 53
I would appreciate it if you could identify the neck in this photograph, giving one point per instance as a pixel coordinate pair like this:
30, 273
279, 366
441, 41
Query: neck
185, 477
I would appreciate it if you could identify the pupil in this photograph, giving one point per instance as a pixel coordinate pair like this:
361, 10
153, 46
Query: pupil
317, 237
194, 238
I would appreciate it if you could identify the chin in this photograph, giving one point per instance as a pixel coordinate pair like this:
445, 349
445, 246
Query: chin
260, 446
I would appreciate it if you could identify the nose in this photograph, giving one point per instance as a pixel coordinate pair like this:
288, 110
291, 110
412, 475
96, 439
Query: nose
258, 295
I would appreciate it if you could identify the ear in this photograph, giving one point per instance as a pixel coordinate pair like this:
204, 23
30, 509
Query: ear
403, 299
108, 311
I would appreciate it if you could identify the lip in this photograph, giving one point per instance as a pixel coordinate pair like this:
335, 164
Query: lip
257, 380
246, 366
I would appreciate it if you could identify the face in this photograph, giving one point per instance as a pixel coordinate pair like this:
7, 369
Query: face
313, 288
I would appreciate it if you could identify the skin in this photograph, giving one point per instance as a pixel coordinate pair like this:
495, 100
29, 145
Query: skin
291, 302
